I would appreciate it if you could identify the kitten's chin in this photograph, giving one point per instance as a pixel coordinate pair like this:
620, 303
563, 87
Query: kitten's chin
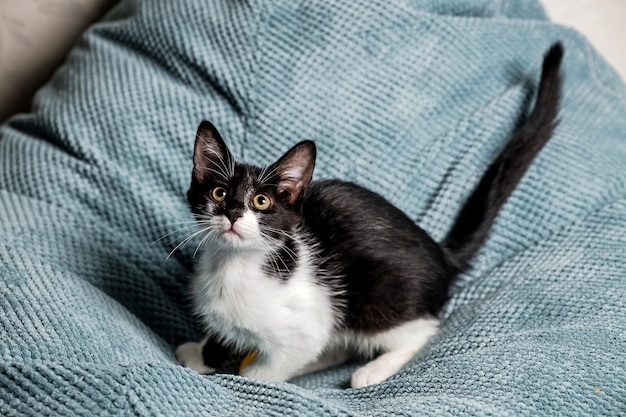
235, 239
232, 234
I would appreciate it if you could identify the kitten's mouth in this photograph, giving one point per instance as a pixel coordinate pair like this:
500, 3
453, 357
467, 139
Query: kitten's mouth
232, 233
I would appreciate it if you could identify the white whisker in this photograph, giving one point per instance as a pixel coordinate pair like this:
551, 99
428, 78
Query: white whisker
279, 246
194, 225
168, 225
185, 241
232, 165
209, 235
218, 173
266, 175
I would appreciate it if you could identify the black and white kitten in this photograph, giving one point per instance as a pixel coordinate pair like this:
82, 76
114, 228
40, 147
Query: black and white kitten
308, 274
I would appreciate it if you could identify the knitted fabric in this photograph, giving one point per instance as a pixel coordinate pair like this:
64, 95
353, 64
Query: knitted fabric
412, 99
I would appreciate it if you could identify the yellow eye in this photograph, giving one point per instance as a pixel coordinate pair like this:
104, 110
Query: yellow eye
261, 202
219, 194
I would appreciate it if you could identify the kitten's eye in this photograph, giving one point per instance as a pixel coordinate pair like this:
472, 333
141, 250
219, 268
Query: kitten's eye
261, 202
219, 194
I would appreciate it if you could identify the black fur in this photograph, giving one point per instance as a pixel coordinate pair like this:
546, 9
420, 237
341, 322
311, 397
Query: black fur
385, 270
390, 269
474, 222
393, 271
214, 353
285, 259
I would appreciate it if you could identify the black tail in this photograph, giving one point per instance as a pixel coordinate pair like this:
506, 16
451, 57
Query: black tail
477, 216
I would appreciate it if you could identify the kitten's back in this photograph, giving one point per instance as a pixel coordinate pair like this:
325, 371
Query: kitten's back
391, 270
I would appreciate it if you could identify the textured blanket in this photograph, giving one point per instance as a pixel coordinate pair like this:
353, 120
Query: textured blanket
409, 98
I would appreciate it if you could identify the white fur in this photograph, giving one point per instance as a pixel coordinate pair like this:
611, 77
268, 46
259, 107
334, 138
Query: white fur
292, 323
190, 355
288, 322
398, 345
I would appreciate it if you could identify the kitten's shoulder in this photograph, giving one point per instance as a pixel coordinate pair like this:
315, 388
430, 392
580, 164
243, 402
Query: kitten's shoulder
339, 192
342, 199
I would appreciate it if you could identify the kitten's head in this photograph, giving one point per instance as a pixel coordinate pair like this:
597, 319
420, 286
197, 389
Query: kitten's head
243, 206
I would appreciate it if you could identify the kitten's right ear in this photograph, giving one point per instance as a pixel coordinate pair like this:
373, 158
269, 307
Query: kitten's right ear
211, 155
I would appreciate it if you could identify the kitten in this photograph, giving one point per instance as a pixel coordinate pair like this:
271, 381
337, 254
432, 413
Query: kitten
308, 274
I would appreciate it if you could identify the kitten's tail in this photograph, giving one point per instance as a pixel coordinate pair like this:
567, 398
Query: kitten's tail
477, 216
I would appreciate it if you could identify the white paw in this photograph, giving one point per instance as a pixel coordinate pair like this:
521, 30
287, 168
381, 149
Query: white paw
370, 374
190, 355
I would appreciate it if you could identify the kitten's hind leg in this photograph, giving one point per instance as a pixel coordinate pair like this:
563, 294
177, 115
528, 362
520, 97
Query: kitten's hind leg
381, 368
399, 345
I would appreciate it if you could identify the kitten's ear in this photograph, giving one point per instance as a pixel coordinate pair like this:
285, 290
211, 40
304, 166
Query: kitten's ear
211, 155
294, 170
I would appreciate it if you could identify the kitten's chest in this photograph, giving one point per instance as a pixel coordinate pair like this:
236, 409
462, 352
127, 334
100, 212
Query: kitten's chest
233, 288
239, 300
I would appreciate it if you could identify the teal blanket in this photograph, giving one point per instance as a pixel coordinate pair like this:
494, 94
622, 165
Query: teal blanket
409, 98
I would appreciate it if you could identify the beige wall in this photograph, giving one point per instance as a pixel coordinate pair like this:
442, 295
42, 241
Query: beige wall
35, 36
603, 22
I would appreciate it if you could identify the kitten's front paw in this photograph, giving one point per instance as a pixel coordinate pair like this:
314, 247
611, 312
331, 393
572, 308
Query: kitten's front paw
190, 355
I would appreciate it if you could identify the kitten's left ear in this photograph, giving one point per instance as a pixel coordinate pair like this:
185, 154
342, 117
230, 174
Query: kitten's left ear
294, 170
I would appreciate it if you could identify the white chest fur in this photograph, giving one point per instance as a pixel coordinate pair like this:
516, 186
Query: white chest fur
239, 302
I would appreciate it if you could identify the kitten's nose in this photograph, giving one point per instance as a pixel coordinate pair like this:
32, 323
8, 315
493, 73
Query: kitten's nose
234, 214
